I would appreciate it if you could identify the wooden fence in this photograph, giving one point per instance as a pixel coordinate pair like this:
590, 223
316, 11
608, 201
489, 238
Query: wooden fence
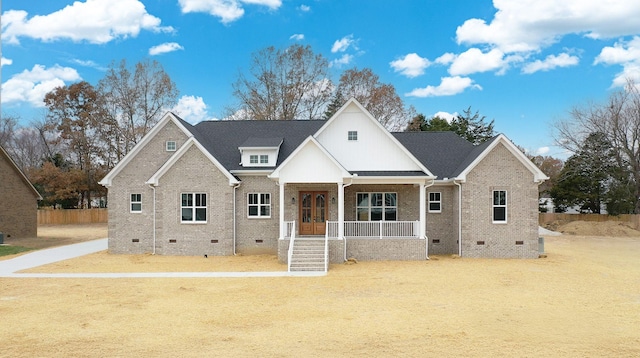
72, 216
632, 219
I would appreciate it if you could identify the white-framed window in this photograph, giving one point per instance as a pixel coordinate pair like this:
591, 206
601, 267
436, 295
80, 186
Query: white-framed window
376, 206
352, 135
193, 207
253, 159
264, 159
171, 146
259, 205
136, 203
435, 202
499, 206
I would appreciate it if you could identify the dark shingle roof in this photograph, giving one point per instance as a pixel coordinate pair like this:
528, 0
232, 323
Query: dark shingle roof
223, 138
441, 152
445, 154
257, 142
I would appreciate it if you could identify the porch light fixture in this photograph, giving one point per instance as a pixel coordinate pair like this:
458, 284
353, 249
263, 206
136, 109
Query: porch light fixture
293, 200
333, 200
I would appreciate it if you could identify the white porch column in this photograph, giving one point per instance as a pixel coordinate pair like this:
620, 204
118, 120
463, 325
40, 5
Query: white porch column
423, 211
281, 207
341, 210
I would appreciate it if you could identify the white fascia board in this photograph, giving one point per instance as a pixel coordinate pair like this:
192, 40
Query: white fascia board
106, 181
252, 172
372, 118
155, 178
391, 180
538, 175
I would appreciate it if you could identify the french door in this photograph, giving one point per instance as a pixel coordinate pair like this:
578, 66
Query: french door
313, 212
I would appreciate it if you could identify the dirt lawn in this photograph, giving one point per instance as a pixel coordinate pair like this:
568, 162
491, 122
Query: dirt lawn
583, 300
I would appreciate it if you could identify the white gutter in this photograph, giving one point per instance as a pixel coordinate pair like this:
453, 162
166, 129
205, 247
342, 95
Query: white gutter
426, 238
154, 218
459, 217
234, 217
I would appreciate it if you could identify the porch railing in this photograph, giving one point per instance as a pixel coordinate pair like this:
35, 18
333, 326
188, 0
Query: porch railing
290, 232
375, 229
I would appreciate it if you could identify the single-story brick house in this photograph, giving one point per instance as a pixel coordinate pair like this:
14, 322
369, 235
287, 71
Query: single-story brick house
18, 201
227, 187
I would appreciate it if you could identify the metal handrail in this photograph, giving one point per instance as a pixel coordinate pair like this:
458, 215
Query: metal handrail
326, 247
292, 230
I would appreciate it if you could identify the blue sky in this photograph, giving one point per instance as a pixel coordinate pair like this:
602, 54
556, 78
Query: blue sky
524, 63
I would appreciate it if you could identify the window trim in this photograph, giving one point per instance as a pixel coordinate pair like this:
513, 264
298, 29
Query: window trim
167, 146
494, 206
194, 208
259, 205
383, 207
352, 136
132, 202
439, 202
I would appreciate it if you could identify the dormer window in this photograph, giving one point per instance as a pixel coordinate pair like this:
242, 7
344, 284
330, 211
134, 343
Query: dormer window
260, 152
352, 135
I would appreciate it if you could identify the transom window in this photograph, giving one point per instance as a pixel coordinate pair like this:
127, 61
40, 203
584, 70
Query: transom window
435, 202
259, 205
499, 206
352, 135
171, 146
136, 203
193, 207
376, 206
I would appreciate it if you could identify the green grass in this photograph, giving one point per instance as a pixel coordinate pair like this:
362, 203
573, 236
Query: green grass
11, 250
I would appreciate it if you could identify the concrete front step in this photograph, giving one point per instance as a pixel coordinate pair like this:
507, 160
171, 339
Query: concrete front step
308, 255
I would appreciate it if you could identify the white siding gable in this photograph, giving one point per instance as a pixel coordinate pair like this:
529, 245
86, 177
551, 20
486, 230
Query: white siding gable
310, 164
374, 150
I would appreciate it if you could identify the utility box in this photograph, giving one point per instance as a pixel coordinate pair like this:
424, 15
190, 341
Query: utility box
1, 238
541, 245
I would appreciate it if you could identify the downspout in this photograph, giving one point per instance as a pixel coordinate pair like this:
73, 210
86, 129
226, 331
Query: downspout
344, 238
235, 186
459, 217
426, 238
154, 218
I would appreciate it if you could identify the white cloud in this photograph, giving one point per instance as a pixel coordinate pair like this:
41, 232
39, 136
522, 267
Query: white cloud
542, 150
342, 61
89, 63
297, 37
551, 62
411, 65
445, 59
5, 62
445, 115
474, 60
192, 109
165, 48
95, 21
343, 44
227, 10
626, 54
529, 25
304, 8
449, 86
32, 85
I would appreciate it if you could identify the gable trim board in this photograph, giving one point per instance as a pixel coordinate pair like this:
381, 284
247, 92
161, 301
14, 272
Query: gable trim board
319, 157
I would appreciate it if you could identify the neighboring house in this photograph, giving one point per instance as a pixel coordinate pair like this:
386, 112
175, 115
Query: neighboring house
18, 201
227, 187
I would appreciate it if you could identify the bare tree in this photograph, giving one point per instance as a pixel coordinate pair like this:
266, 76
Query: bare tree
8, 125
134, 101
380, 99
618, 119
283, 84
